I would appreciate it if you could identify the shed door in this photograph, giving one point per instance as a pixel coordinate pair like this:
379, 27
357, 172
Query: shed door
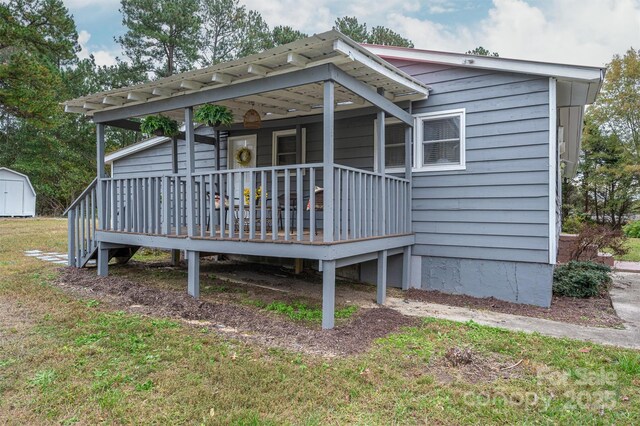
11, 198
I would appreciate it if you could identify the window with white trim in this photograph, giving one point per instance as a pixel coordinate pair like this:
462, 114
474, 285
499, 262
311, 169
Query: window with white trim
440, 140
285, 147
394, 144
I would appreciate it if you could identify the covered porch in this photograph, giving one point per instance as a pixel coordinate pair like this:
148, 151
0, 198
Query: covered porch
334, 213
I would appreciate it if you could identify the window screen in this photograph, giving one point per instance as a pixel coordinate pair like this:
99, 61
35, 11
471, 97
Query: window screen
441, 141
286, 150
394, 145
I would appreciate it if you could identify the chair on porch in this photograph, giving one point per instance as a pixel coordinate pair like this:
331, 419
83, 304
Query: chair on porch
319, 204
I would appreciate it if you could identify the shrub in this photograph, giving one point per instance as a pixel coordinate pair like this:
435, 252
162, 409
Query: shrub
580, 279
573, 224
596, 238
632, 229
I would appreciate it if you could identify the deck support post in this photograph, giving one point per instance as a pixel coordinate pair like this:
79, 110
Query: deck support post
380, 168
103, 260
190, 165
328, 293
71, 237
327, 159
406, 268
382, 278
100, 173
175, 257
193, 279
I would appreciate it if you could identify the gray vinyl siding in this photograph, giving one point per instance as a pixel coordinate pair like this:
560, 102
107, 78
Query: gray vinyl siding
498, 208
158, 160
353, 142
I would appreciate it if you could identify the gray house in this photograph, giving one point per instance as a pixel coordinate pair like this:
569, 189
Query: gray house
426, 169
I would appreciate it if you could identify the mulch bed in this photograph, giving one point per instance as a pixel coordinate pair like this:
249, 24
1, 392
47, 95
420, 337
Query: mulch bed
242, 322
594, 311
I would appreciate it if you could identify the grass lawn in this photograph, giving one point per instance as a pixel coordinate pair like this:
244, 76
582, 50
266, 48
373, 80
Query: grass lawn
67, 360
634, 251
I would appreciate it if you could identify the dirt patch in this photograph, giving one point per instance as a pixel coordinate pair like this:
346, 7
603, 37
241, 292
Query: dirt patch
484, 368
14, 319
594, 311
228, 279
242, 322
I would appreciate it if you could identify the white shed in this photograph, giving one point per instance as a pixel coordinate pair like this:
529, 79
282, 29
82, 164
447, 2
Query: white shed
17, 196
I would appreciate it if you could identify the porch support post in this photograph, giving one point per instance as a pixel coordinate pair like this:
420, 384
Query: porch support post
327, 163
382, 277
190, 169
103, 260
217, 150
406, 268
174, 155
175, 254
100, 173
382, 207
328, 293
193, 279
408, 136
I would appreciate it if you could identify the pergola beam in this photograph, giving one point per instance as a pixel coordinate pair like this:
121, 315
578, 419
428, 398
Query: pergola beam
135, 126
365, 91
233, 91
257, 86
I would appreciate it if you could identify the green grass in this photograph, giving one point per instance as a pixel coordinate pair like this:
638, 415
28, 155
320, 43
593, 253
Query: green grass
301, 311
633, 244
65, 360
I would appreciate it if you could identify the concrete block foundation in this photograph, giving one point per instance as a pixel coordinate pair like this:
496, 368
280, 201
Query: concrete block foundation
529, 283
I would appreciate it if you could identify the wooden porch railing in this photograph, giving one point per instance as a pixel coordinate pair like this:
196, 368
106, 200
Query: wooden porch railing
82, 221
283, 203
359, 203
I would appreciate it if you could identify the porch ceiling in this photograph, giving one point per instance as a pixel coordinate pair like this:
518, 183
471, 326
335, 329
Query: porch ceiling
331, 47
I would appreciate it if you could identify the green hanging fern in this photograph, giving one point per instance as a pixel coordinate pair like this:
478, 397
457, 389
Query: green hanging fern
159, 125
214, 115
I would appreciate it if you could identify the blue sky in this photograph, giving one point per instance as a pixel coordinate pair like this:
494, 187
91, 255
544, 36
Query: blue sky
571, 31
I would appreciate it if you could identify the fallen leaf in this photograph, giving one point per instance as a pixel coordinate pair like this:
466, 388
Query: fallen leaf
212, 412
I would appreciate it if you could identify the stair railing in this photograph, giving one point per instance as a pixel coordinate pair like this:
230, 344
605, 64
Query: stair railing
82, 218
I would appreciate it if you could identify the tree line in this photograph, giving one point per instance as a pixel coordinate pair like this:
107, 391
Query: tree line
606, 189
39, 69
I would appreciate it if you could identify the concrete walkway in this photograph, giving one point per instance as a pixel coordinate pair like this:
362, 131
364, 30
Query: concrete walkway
624, 266
625, 296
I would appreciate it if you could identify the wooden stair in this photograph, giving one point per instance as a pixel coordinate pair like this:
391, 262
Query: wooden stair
82, 217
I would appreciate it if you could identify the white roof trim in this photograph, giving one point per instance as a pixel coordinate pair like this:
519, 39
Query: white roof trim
23, 175
547, 69
136, 147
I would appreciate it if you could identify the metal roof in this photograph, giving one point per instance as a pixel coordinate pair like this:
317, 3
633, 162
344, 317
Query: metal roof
330, 47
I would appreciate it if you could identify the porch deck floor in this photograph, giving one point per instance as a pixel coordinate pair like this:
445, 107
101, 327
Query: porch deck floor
305, 236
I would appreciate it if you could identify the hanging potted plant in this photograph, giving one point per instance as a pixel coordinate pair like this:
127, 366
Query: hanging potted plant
214, 115
159, 125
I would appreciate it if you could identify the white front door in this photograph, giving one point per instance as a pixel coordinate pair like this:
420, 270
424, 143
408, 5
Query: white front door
248, 144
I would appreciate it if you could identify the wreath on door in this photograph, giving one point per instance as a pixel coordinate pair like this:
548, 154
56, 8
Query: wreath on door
243, 156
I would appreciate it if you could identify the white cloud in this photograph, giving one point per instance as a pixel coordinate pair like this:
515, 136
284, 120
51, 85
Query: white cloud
102, 56
570, 31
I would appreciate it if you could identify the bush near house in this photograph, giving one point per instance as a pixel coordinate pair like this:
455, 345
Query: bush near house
580, 279
593, 239
632, 229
